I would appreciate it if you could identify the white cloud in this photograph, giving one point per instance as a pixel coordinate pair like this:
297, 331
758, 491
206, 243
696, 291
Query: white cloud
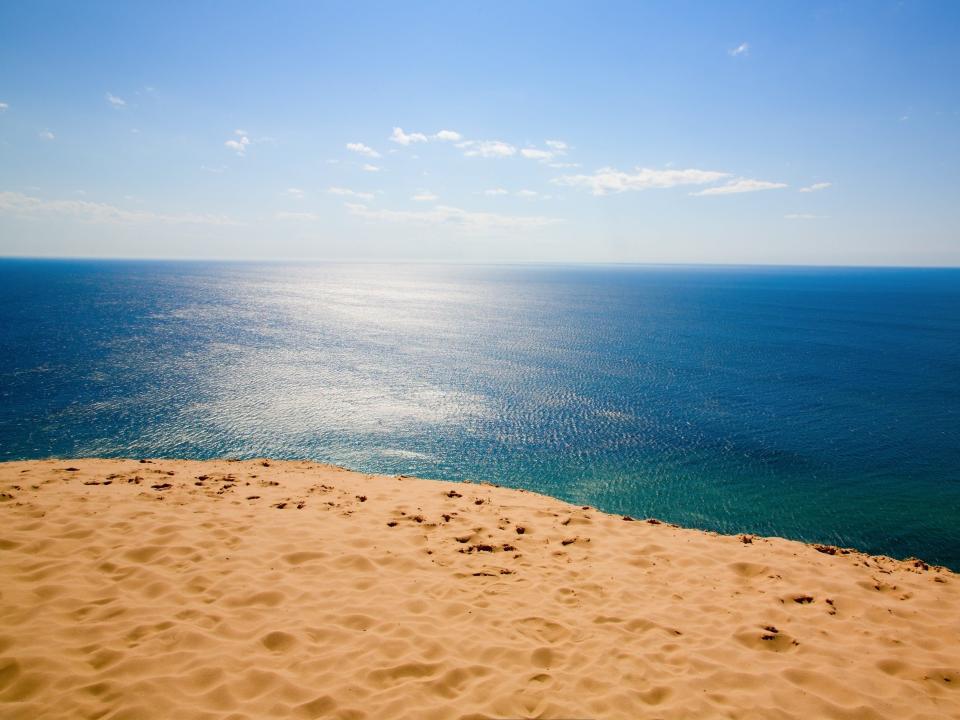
46, 135
741, 185
363, 149
815, 187
451, 217
240, 144
487, 148
295, 193
402, 138
371, 168
496, 191
3, 107
425, 196
804, 216
347, 192
115, 101
557, 148
535, 154
527, 193
448, 136
302, 216
611, 180
216, 170
562, 165
21, 205
741, 49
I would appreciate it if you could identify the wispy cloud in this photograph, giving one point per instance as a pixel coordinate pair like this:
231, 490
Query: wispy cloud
347, 192
610, 180
371, 168
400, 137
452, 217
18, 204
295, 193
741, 49
815, 187
448, 136
425, 196
535, 154
46, 135
239, 143
115, 101
487, 148
523, 193
741, 185
804, 216
3, 107
363, 149
215, 170
297, 216
558, 148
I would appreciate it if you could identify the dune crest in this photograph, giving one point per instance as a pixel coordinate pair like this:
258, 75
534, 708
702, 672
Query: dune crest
255, 589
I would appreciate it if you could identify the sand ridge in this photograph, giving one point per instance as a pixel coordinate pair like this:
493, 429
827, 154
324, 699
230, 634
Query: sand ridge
260, 589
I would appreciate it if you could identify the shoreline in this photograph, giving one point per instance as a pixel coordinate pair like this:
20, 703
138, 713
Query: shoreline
824, 547
252, 588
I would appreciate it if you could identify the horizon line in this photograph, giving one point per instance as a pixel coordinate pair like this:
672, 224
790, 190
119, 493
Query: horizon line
394, 261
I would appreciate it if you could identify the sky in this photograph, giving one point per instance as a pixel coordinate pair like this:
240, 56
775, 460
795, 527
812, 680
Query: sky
813, 133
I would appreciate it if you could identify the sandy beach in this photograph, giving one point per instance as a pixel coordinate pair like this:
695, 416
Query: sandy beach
258, 589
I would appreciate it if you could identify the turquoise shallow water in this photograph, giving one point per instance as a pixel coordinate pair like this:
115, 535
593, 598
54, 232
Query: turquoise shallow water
818, 404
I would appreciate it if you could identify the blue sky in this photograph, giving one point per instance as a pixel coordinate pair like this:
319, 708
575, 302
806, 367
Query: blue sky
766, 132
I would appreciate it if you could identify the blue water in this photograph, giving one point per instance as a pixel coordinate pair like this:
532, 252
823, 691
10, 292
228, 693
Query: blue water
818, 404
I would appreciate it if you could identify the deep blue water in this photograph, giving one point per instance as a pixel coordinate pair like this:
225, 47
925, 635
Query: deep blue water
818, 404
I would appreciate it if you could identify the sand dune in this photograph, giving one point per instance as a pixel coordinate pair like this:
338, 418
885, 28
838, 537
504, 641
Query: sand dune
255, 589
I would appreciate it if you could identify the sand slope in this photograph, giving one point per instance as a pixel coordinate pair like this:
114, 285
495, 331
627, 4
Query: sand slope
137, 590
